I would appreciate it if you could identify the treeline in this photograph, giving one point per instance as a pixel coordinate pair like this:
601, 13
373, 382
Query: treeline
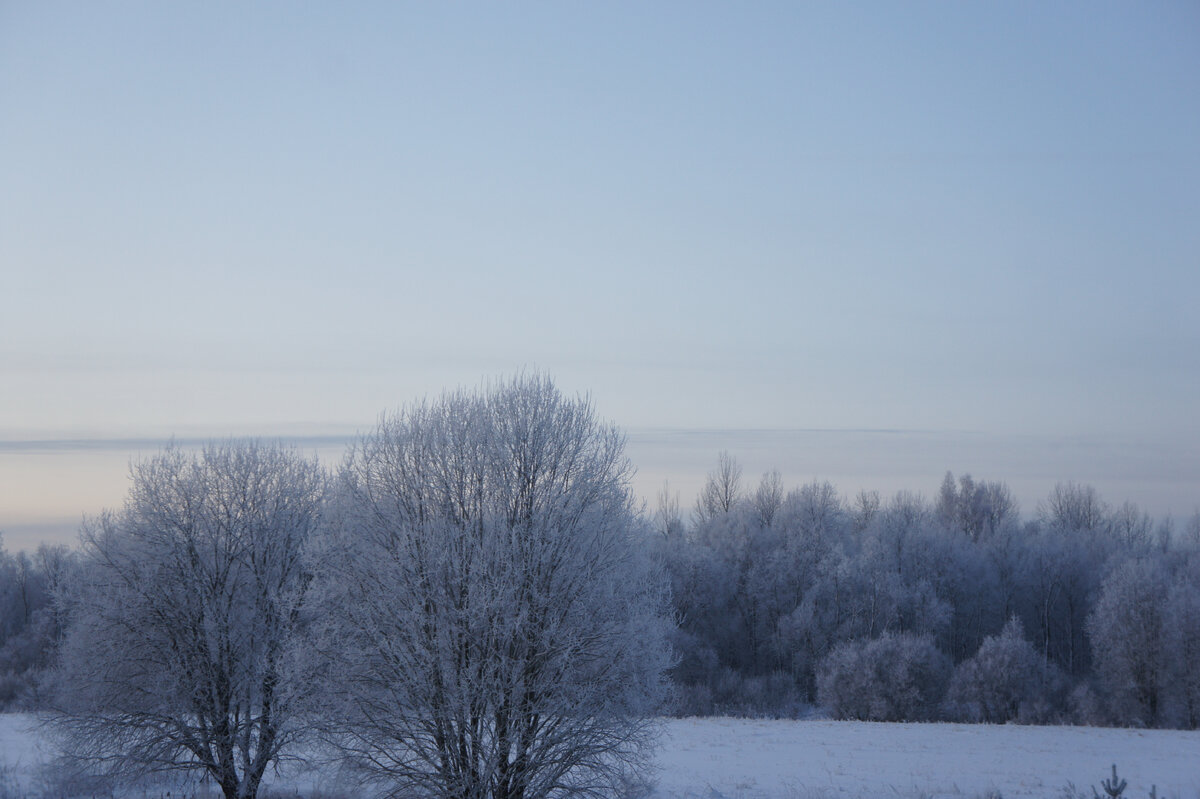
904, 608
958, 608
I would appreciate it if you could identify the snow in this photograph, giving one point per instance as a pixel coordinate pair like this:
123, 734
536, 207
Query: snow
750, 759
785, 759
23, 750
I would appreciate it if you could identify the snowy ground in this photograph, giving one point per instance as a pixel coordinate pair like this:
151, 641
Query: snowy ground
742, 759
786, 759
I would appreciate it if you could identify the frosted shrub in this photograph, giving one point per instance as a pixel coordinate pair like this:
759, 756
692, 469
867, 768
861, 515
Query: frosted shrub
895, 677
1005, 681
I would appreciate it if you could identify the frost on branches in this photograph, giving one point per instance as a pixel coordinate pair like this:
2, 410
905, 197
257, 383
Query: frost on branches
495, 629
180, 649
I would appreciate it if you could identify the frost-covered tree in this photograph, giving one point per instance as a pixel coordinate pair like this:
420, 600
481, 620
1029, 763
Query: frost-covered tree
667, 520
1067, 563
977, 510
1126, 631
768, 497
497, 630
1181, 630
722, 489
179, 652
866, 507
844, 602
1074, 508
890, 678
1005, 681
1131, 528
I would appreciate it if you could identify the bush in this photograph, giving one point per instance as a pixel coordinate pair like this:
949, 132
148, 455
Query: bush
1005, 681
899, 677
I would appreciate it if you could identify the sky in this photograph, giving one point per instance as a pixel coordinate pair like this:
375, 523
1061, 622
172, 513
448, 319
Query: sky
970, 228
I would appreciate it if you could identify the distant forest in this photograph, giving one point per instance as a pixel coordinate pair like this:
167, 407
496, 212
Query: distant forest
903, 609
899, 608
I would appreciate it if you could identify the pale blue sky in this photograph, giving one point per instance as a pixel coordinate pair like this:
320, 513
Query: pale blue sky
226, 218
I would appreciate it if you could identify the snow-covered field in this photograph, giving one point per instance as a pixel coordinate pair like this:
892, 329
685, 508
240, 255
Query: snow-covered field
776, 759
745, 759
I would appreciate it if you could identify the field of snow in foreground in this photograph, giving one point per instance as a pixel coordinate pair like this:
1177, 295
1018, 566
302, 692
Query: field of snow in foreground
798, 759
745, 759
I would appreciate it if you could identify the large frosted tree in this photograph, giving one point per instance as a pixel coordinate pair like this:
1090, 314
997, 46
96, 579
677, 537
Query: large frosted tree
496, 631
179, 654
